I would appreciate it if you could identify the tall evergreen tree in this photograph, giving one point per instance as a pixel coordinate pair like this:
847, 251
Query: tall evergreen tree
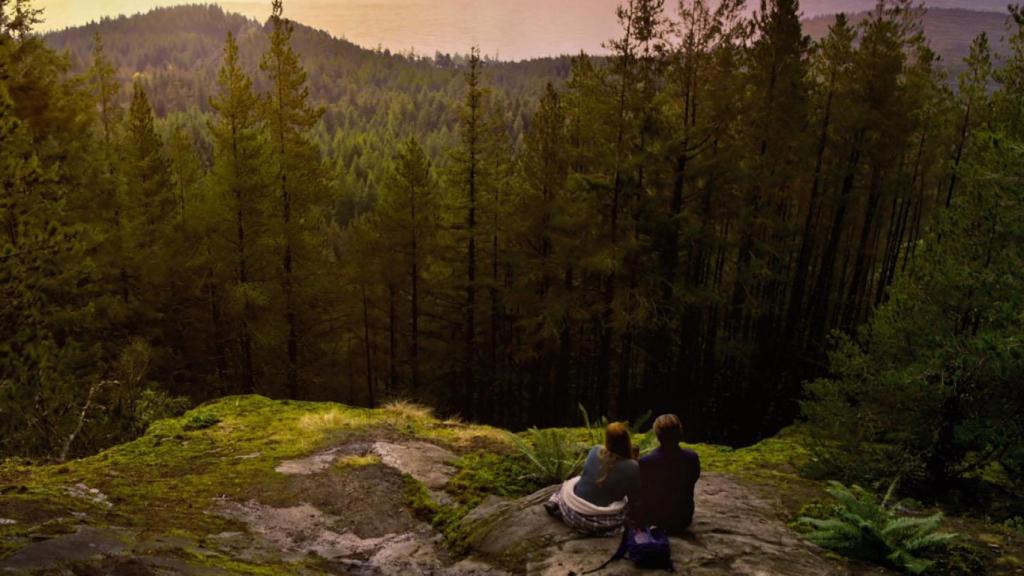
468, 177
148, 203
973, 86
106, 90
548, 235
49, 357
409, 218
238, 156
289, 118
831, 65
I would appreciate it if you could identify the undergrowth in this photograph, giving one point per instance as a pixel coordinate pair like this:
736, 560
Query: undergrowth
862, 527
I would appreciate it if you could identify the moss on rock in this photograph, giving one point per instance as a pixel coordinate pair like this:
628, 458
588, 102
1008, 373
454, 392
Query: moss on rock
167, 481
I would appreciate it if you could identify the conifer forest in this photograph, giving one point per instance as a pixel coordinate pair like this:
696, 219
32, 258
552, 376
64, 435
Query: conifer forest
720, 217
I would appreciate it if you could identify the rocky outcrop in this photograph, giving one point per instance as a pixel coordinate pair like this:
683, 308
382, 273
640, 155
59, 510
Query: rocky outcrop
736, 532
370, 533
355, 506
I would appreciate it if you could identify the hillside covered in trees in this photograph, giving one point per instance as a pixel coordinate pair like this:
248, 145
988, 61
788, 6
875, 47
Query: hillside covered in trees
724, 218
812, 247
372, 100
949, 32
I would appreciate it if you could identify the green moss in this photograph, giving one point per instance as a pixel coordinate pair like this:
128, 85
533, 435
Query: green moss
958, 559
784, 454
1015, 524
819, 509
418, 499
233, 566
446, 518
200, 421
480, 474
166, 478
1009, 561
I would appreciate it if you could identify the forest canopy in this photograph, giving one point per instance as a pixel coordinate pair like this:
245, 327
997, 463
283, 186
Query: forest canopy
715, 214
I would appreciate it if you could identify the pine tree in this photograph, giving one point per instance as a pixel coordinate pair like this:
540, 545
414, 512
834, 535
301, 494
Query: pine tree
889, 37
186, 172
468, 168
703, 102
973, 86
106, 90
499, 164
777, 72
833, 60
637, 62
148, 203
409, 219
237, 179
289, 118
49, 359
547, 237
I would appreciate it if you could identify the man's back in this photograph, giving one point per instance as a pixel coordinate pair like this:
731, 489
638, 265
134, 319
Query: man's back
667, 478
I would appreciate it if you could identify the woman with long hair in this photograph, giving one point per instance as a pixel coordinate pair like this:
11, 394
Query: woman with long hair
595, 501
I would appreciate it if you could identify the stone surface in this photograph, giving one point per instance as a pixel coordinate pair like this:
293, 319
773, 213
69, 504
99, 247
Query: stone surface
428, 463
354, 520
84, 544
736, 532
310, 464
304, 529
86, 493
308, 529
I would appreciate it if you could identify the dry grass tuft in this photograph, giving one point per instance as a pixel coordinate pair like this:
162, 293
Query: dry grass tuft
357, 461
409, 409
327, 420
454, 420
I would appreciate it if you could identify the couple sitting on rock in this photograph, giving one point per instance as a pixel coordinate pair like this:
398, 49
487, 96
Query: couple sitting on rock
614, 487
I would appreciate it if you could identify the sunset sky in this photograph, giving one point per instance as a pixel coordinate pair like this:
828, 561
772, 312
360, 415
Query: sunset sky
510, 29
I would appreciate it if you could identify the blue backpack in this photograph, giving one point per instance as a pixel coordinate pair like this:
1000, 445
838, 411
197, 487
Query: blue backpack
648, 548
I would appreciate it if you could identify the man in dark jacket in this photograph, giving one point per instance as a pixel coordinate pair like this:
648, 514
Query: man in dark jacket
667, 479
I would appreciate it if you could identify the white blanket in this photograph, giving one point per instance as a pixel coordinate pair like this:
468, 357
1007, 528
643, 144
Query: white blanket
581, 506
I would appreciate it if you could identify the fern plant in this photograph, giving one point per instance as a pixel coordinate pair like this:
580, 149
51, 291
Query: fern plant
866, 529
645, 442
554, 454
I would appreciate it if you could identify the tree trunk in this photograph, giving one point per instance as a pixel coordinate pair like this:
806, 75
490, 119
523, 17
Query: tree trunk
368, 351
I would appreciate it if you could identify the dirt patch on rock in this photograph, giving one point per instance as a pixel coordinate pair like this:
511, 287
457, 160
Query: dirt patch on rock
355, 516
84, 544
305, 529
368, 501
427, 463
28, 511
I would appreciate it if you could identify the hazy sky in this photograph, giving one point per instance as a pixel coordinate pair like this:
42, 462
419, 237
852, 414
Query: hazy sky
514, 29
511, 29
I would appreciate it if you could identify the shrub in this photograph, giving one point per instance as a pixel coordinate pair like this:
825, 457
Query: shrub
200, 421
155, 404
553, 453
936, 371
1016, 523
863, 528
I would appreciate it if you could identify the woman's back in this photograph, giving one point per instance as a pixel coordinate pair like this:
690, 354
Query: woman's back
621, 480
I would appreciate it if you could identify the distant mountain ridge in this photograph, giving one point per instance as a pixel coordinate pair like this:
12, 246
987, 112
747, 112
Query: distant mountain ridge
949, 32
815, 8
179, 50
